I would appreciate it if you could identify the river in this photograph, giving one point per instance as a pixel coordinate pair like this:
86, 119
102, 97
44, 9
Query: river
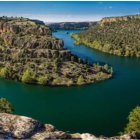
100, 108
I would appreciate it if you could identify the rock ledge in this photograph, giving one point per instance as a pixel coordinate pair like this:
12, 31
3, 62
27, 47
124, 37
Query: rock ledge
21, 127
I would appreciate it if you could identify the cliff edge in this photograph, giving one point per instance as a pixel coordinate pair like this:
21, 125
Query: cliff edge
21, 127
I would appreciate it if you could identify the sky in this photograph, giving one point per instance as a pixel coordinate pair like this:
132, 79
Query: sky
55, 11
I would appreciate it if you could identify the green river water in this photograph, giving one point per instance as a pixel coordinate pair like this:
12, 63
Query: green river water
100, 108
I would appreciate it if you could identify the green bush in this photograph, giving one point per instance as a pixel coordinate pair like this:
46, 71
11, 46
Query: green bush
43, 80
5, 106
27, 77
133, 121
4, 72
80, 80
106, 67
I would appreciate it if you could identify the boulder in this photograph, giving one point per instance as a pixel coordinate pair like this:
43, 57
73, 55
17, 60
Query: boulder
18, 126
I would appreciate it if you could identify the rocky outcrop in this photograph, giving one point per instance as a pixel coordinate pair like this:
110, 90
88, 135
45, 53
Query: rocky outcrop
18, 126
109, 20
21, 127
25, 26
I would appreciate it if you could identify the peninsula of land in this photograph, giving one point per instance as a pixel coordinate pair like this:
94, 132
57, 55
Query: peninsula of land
30, 54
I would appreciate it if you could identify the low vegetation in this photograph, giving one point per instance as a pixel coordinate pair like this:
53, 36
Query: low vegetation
5, 106
27, 77
133, 125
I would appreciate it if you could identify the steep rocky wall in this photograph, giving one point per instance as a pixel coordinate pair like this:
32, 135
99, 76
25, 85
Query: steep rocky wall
17, 28
19, 35
109, 20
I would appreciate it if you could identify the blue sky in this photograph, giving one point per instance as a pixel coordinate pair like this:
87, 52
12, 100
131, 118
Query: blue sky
68, 11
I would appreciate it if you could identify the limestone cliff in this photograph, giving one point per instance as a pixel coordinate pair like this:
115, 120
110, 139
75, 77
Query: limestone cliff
109, 20
21, 127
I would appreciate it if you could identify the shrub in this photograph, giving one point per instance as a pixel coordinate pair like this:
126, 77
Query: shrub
56, 81
43, 80
80, 80
4, 72
133, 121
106, 67
5, 106
26, 77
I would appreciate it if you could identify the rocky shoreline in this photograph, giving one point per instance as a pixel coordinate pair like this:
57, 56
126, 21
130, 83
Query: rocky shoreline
21, 127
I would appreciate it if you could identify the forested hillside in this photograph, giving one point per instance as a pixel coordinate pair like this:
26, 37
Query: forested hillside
119, 36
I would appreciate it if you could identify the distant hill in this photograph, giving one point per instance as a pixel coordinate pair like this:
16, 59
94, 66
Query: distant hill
71, 25
114, 35
38, 21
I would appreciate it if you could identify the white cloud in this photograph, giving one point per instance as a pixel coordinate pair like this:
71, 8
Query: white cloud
110, 7
59, 17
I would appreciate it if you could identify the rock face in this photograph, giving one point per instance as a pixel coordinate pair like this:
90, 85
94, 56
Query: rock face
109, 20
21, 127
26, 26
29, 53
18, 126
